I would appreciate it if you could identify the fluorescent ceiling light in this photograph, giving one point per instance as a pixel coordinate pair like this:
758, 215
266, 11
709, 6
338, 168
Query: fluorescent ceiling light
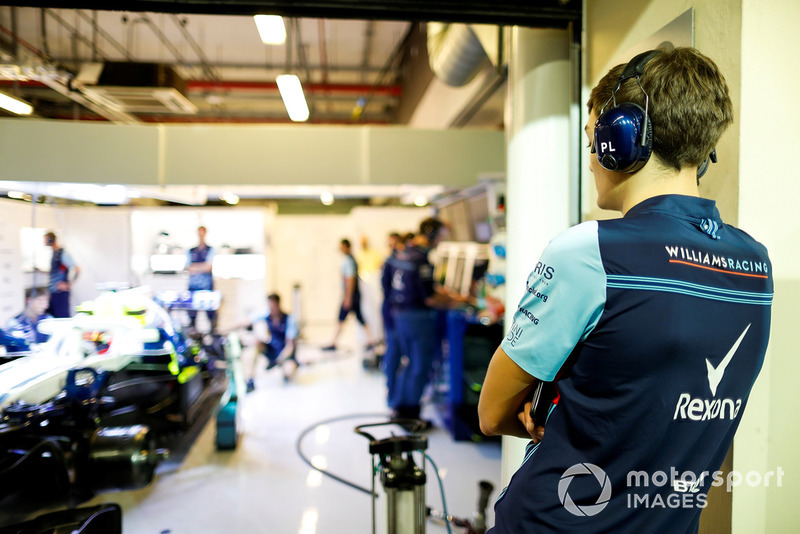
15, 106
230, 198
293, 97
326, 198
271, 29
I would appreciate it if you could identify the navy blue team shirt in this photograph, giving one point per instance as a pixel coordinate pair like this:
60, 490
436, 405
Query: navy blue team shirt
656, 325
412, 278
200, 281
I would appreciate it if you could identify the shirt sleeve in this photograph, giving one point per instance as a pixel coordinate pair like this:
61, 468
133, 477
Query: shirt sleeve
210, 254
564, 297
260, 315
67, 260
291, 328
425, 271
348, 267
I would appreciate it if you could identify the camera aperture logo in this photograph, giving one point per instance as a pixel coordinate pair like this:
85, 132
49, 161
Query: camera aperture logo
602, 499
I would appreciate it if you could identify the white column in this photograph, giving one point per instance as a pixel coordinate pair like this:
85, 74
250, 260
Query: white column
765, 448
539, 187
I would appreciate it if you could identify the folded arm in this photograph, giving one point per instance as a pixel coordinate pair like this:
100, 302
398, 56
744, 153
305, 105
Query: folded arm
505, 400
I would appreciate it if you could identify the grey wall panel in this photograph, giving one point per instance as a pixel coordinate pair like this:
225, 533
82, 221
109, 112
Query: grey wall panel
53, 151
448, 157
262, 155
66, 151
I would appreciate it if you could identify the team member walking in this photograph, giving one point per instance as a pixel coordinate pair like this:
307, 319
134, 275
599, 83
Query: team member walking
351, 301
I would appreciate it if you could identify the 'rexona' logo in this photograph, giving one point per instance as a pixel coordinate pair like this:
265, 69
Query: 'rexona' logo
585, 510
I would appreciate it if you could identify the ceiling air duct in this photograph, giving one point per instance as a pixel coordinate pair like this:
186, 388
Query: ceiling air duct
455, 53
135, 87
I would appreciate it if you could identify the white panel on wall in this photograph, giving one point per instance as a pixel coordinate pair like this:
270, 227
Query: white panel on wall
236, 228
99, 241
229, 230
12, 287
97, 238
307, 253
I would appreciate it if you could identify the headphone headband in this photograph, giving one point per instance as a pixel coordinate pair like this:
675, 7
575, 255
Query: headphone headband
635, 66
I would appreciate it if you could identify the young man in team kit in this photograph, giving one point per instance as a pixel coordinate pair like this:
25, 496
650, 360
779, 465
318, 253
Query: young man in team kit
653, 326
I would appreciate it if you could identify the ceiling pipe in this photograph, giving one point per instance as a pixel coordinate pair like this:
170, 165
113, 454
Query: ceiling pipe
395, 57
94, 35
163, 38
455, 53
231, 65
181, 24
243, 85
102, 33
368, 34
43, 29
302, 65
74, 31
323, 55
388, 91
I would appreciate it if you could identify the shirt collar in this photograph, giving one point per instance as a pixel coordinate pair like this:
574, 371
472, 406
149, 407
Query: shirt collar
678, 206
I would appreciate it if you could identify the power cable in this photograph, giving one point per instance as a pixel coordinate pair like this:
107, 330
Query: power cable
441, 491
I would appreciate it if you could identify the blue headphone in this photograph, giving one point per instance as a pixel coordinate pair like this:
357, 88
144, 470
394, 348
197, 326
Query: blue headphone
623, 133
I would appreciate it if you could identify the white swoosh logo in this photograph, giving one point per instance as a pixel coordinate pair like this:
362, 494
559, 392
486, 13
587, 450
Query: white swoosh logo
715, 374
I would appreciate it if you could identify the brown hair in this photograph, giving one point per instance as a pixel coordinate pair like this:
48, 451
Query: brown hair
689, 103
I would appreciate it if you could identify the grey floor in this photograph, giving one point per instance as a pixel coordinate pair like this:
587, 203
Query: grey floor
265, 487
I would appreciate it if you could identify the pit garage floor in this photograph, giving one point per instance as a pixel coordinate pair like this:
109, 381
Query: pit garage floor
263, 486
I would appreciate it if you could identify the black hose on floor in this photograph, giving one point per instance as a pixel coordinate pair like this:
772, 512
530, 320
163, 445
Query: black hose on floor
310, 429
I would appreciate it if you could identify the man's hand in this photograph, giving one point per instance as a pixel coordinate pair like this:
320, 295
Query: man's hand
524, 416
62, 286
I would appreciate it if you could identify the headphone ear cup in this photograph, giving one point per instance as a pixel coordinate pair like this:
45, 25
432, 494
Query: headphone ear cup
623, 139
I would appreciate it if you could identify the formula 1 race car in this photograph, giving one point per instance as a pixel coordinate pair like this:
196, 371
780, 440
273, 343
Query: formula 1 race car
92, 409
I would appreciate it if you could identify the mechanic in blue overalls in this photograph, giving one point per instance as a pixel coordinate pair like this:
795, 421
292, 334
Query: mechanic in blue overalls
24, 327
63, 273
198, 263
281, 347
414, 297
392, 354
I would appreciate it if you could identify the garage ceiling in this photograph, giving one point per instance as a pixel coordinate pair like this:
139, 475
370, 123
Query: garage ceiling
535, 13
353, 70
